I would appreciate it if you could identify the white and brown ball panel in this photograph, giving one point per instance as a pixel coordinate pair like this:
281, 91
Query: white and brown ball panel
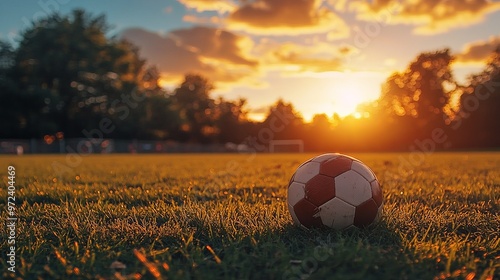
365, 213
335, 166
337, 213
353, 188
292, 212
302, 210
307, 213
324, 157
306, 171
363, 170
320, 189
377, 193
296, 192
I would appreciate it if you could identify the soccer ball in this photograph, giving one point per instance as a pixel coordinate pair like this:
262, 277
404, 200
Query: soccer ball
336, 191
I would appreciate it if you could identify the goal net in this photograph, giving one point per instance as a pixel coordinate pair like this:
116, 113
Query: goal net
286, 146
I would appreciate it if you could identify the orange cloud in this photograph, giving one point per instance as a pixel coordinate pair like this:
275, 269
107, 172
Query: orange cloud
215, 43
201, 20
221, 6
480, 51
293, 58
429, 16
287, 17
217, 54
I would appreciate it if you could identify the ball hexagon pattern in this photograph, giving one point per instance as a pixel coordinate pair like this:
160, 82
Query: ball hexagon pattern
320, 189
358, 191
306, 172
337, 213
336, 191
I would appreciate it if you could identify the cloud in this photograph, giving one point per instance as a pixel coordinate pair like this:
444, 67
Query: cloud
479, 51
214, 53
221, 6
287, 17
215, 43
229, 59
292, 58
201, 20
429, 16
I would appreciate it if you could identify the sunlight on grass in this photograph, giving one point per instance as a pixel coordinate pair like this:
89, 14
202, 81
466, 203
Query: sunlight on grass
225, 216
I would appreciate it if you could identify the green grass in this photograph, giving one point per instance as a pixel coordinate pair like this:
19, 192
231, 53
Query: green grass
158, 213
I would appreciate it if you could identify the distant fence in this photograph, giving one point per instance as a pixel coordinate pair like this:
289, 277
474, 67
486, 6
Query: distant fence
105, 146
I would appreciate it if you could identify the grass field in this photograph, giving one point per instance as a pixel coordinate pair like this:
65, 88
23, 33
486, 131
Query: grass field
225, 217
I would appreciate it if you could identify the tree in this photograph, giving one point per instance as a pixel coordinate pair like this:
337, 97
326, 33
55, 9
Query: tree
319, 135
416, 101
158, 119
81, 72
196, 108
6, 58
282, 122
476, 122
423, 90
150, 80
231, 120
11, 108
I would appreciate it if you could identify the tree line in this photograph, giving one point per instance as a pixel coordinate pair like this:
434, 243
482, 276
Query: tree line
67, 78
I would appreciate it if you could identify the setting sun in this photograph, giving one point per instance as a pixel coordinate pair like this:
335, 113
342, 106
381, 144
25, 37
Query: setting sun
351, 96
342, 93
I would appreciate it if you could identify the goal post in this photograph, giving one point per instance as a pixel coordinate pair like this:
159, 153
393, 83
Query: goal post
286, 146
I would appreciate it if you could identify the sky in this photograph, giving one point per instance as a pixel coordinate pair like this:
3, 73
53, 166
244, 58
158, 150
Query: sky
324, 56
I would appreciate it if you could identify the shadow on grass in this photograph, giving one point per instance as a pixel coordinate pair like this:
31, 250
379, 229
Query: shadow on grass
371, 253
294, 253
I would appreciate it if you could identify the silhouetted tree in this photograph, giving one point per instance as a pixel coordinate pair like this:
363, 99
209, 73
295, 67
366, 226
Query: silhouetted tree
416, 101
80, 72
476, 123
319, 136
231, 120
12, 107
196, 108
283, 122
158, 119
423, 89
150, 80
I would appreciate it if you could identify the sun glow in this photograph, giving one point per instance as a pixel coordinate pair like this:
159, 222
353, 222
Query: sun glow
315, 93
349, 97
348, 90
